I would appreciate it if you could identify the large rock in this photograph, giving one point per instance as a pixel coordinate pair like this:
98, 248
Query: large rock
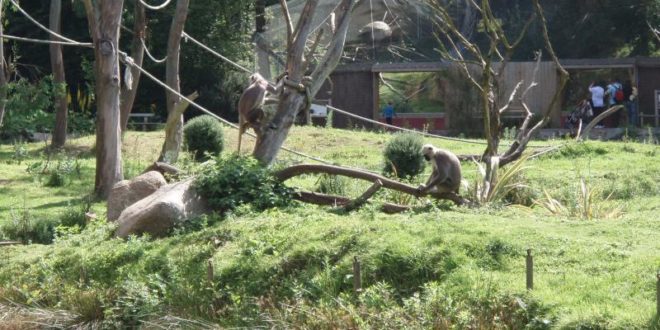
125, 193
158, 213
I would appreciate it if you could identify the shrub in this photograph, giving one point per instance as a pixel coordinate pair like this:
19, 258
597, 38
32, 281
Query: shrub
235, 180
203, 134
25, 228
403, 156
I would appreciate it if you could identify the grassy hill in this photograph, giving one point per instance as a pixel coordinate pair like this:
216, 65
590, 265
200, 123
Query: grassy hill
438, 267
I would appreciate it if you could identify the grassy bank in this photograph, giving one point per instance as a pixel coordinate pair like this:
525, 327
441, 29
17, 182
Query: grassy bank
439, 267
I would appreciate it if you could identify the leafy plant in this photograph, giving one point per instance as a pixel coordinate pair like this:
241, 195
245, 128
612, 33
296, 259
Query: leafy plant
509, 179
403, 156
234, 180
25, 228
203, 135
20, 151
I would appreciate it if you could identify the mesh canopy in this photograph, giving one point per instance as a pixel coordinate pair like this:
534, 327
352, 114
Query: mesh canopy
380, 30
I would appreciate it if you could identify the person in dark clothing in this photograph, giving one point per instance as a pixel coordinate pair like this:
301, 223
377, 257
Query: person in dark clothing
388, 112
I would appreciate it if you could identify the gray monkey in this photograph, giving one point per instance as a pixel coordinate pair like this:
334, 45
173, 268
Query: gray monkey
250, 105
446, 170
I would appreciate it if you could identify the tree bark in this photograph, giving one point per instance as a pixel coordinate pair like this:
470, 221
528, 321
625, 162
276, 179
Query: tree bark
137, 53
3, 76
57, 65
174, 138
293, 100
104, 29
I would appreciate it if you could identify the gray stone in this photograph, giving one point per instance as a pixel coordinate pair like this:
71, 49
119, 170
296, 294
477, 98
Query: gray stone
159, 212
125, 193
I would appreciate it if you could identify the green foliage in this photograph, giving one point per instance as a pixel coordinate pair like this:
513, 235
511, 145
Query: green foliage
25, 228
56, 174
20, 151
75, 214
403, 156
26, 108
203, 135
234, 180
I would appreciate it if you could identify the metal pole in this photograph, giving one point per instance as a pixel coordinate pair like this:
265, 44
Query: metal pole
357, 276
530, 270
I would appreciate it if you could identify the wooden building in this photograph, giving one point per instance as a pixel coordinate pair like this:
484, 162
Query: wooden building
355, 88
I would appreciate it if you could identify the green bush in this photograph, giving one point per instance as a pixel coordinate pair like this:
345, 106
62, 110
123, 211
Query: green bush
235, 180
403, 156
25, 228
203, 134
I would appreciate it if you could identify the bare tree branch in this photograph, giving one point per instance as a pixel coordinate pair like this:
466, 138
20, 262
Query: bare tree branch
289, 25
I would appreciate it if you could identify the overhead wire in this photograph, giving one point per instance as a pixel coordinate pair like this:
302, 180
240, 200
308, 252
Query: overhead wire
159, 7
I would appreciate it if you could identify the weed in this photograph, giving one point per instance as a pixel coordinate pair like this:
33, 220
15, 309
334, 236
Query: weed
20, 151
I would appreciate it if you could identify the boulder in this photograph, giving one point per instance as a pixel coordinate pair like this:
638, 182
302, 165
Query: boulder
159, 212
125, 193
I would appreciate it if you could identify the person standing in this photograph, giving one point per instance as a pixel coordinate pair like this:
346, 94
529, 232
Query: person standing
630, 101
388, 112
614, 88
597, 94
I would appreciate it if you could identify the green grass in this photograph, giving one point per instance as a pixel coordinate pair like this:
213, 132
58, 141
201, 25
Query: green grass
436, 268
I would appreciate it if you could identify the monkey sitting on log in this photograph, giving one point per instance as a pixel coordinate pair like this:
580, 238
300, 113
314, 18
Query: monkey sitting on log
446, 170
250, 105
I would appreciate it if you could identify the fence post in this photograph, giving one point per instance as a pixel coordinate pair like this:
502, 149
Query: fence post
357, 276
657, 294
209, 271
530, 270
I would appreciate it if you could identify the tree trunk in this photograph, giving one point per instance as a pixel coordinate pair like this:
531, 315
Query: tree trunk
105, 33
263, 62
137, 52
174, 137
3, 77
57, 65
293, 100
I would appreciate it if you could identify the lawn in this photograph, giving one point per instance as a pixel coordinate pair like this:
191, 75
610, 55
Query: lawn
438, 267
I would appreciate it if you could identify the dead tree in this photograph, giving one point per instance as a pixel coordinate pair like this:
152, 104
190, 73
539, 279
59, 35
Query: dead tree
57, 65
489, 63
299, 90
174, 133
128, 92
104, 17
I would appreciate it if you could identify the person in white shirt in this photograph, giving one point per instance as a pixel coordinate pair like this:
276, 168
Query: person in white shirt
597, 95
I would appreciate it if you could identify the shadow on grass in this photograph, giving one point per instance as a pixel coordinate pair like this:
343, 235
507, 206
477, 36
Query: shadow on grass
655, 323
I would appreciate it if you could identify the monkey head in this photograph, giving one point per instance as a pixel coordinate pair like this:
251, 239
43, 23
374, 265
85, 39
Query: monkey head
256, 77
427, 151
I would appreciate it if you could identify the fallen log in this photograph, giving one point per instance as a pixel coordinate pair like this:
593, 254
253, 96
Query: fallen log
332, 200
296, 170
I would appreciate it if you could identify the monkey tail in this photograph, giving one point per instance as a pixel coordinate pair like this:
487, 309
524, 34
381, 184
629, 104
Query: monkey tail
241, 130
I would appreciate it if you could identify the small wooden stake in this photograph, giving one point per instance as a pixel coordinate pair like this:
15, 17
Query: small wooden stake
530, 270
357, 276
657, 294
209, 271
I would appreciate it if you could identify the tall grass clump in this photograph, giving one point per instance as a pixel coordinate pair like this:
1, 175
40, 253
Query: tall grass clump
509, 186
403, 156
203, 135
234, 180
585, 201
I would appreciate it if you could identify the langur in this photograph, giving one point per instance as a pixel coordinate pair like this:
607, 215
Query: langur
250, 105
446, 170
